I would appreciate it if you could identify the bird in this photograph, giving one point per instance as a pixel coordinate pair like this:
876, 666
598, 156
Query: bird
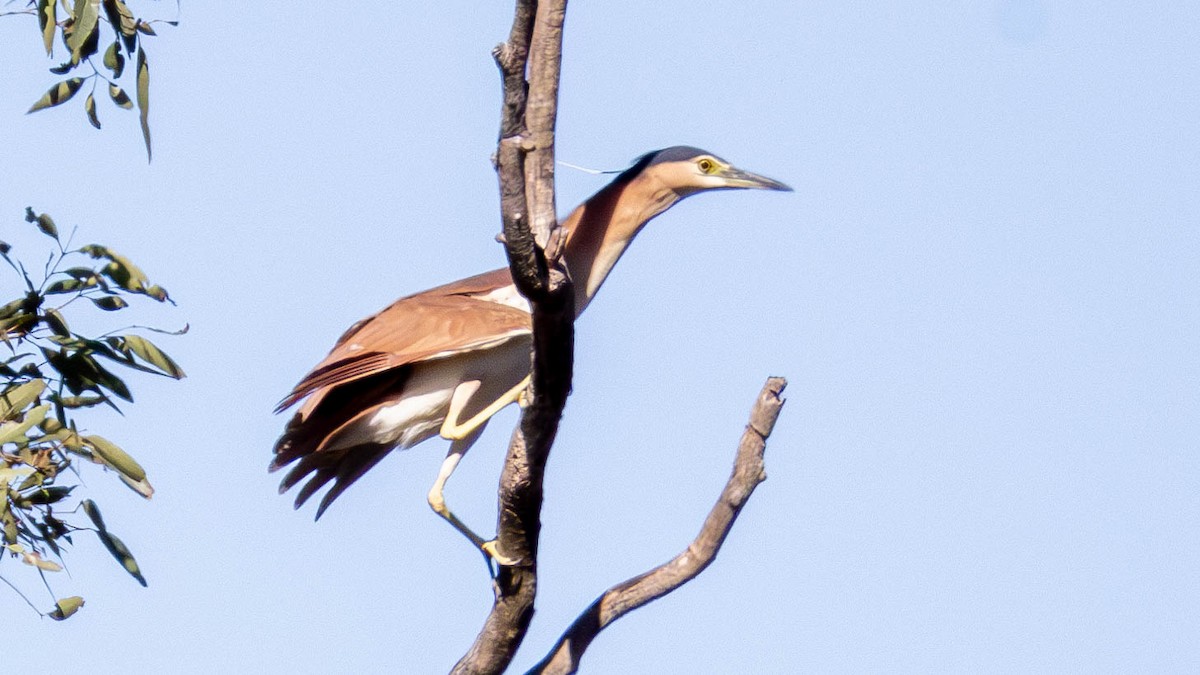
444, 361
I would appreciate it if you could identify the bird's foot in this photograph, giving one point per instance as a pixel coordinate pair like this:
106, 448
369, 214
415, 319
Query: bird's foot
492, 552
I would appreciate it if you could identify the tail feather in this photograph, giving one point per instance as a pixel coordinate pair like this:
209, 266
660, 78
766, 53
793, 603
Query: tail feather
357, 462
307, 432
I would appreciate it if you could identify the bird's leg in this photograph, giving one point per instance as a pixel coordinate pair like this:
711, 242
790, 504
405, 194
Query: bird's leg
462, 436
453, 430
437, 500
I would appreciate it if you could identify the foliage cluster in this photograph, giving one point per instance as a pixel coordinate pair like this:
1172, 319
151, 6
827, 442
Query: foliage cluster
49, 373
79, 24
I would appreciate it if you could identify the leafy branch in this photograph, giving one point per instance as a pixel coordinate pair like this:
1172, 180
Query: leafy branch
49, 374
81, 28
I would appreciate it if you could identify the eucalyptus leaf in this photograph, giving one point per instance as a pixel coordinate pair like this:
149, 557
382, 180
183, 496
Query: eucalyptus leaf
14, 432
151, 354
120, 551
89, 105
119, 97
14, 400
55, 322
93, 513
143, 98
66, 607
48, 22
114, 60
87, 16
58, 94
110, 303
116, 457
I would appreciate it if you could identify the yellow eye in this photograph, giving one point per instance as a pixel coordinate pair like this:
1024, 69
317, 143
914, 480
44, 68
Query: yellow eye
707, 165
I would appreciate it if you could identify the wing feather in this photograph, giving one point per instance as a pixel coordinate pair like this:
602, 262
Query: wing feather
369, 367
440, 322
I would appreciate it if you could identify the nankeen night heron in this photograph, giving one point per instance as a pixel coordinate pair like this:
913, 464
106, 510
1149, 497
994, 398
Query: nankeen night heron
442, 362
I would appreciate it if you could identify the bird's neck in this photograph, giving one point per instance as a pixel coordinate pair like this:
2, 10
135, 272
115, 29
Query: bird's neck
600, 229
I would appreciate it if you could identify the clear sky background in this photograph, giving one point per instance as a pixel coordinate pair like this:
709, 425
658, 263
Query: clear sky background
984, 294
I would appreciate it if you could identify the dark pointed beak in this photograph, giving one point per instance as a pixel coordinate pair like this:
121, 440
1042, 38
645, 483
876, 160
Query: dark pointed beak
736, 178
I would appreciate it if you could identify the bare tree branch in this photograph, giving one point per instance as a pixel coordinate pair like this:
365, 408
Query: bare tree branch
525, 165
623, 598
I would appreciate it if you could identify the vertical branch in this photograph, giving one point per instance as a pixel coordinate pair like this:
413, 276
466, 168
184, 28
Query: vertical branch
545, 65
525, 166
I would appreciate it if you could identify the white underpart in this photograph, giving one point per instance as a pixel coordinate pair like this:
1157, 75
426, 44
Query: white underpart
420, 413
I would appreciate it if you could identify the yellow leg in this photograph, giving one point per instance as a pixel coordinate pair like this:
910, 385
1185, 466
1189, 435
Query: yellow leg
437, 500
453, 430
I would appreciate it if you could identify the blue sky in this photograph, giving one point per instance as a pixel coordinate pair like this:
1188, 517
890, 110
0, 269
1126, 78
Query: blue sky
983, 292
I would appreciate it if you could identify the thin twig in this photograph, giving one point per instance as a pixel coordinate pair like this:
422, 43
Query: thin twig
625, 597
18, 592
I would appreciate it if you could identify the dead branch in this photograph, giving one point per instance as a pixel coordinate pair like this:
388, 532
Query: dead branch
623, 598
525, 163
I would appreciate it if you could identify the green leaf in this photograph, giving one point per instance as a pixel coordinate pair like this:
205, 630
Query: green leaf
51, 425
9, 521
160, 294
122, 21
120, 269
14, 400
87, 17
9, 475
114, 60
119, 96
44, 222
148, 352
144, 27
143, 97
48, 22
121, 552
89, 105
11, 309
72, 402
116, 457
66, 607
110, 303
65, 286
56, 323
81, 372
35, 479
49, 495
14, 432
93, 512
80, 273
110, 382
16, 326
58, 94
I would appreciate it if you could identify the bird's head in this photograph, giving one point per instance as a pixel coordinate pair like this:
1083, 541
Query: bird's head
687, 171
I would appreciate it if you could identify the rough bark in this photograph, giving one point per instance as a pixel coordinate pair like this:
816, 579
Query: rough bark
525, 166
625, 597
